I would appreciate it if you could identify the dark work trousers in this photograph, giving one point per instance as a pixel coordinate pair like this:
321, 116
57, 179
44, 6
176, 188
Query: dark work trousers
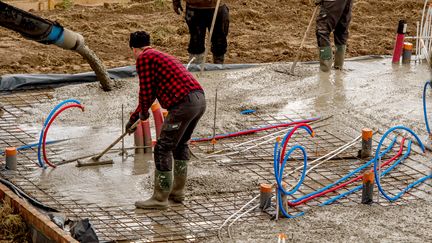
199, 20
177, 130
334, 16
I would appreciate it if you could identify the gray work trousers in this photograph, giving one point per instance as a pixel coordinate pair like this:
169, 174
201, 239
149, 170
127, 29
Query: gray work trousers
177, 130
334, 16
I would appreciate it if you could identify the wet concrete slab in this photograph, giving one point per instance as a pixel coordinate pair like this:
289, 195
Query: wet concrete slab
369, 93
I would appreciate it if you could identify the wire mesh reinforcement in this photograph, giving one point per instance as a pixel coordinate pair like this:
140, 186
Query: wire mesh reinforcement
201, 215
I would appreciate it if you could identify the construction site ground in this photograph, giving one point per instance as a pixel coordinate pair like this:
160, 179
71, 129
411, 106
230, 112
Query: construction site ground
369, 93
254, 25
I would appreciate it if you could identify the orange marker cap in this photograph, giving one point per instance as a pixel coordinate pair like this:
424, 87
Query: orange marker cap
265, 188
155, 106
11, 151
165, 113
408, 46
368, 177
366, 133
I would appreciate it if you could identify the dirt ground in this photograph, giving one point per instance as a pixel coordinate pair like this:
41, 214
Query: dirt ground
254, 24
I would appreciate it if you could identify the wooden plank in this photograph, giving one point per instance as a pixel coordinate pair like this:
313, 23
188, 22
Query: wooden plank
34, 218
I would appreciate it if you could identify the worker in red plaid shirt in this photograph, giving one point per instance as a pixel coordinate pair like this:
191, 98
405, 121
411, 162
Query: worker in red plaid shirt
163, 77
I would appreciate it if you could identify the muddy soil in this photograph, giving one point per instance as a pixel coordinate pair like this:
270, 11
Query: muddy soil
254, 23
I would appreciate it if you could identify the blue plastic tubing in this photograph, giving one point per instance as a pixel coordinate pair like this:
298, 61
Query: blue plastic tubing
377, 156
359, 187
278, 169
41, 162
348, 175
424, 106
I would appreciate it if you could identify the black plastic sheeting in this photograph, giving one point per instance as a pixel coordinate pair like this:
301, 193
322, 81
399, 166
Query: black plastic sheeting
12, 82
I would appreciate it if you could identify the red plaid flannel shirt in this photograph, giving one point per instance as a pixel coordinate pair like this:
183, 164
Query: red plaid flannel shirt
161, 77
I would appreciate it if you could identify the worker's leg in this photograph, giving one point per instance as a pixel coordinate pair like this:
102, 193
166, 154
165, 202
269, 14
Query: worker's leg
341, 35
220, 33
173, 129
197, 31
329, 15
181, 153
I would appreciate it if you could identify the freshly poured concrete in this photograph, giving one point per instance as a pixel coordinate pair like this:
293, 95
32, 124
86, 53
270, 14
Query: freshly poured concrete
369, 93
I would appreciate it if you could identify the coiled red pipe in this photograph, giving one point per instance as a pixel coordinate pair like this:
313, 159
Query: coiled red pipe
48, 126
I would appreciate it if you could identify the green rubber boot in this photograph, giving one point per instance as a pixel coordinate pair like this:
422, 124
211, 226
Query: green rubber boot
339, 56
162, 188
197, 58
180, 176
325, 58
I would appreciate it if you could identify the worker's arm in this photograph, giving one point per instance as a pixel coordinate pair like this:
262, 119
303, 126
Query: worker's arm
146, 94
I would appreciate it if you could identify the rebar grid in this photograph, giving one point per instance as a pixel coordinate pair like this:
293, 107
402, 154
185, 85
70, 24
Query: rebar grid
201, 215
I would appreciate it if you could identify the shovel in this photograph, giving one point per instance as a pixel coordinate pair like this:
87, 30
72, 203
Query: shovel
93, 161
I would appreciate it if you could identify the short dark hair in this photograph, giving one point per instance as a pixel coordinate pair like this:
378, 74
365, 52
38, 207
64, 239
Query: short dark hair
139, 39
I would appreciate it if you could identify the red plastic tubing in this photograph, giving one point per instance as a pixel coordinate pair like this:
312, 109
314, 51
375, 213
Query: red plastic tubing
48, 126
253, 130
348, 182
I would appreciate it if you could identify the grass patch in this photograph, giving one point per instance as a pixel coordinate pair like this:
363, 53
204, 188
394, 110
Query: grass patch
12, 227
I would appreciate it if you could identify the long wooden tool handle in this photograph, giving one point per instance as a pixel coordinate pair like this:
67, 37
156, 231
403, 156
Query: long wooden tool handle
117, 140
303, 40
210, 35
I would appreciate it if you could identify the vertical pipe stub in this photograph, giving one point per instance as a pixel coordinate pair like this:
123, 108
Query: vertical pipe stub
139, 139
265, 196
366, 150
407, 52
11, 158
284, 201
158, 117
368, 185
400, 36
147, 136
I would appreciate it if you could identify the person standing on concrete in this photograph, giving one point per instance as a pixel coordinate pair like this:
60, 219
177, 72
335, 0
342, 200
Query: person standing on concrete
334, 16
163, 77
199, 16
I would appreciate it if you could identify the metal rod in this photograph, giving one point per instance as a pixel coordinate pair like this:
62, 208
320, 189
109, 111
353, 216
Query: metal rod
214, 119
122, 125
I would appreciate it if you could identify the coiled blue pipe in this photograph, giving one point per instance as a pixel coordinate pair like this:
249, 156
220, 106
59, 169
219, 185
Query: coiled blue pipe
424, 106
359, 187
41, 162
377, 156
278, 169
348, 175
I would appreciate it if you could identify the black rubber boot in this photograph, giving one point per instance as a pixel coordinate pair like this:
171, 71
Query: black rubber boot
325, 58
339, 56
162, 189
218, 59
180, 176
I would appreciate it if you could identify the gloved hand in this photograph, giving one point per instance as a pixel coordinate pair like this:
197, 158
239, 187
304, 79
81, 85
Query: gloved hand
318, 2
128, 127
144, 116
177, 6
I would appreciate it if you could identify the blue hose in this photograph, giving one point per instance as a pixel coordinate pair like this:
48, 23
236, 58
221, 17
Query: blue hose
278, 169
377, 156
348, 175
32, 145
359, 187
424, 106
280, 176
41, 163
